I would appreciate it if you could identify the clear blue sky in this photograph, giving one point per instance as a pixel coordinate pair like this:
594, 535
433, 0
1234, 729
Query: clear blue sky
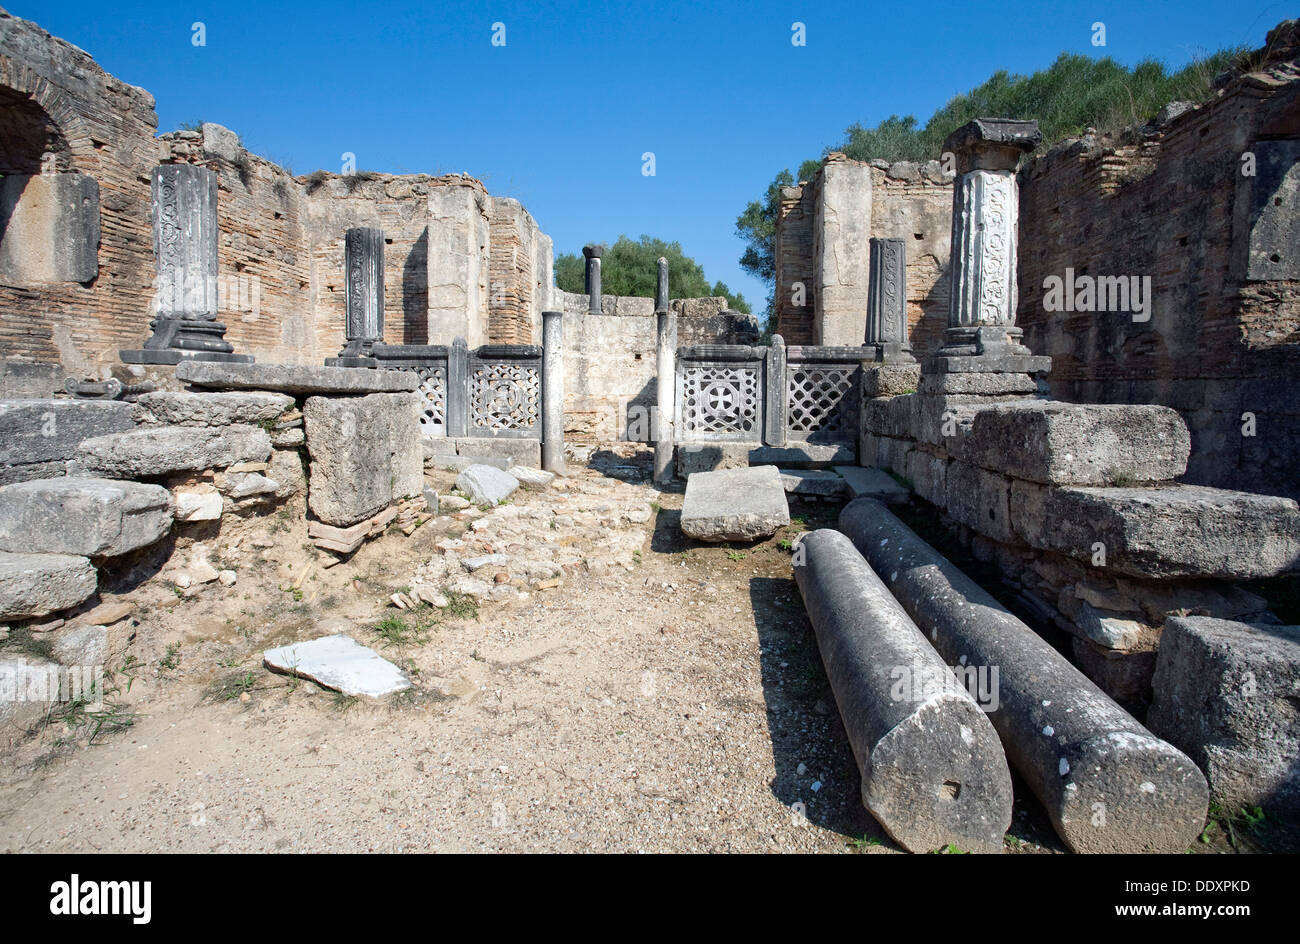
560, 116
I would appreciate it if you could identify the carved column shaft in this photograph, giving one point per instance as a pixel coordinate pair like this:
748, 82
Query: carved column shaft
184, 200
363, 261
985, 213
887, 300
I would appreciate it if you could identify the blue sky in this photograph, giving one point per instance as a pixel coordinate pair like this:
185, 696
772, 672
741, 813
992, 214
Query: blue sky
560, 116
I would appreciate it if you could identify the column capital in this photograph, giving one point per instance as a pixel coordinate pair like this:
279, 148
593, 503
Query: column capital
992, 143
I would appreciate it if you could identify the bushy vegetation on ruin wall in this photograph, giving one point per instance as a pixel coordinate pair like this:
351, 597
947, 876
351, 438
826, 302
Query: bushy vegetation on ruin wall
630, 267
1074, 94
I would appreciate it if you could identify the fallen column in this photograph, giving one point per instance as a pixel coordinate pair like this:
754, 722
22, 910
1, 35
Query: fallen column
1108, 784
933, 772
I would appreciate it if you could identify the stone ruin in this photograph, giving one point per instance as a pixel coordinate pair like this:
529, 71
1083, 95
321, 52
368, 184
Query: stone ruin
1093, 465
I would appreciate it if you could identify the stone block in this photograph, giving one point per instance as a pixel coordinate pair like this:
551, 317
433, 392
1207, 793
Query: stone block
532, 478
86, 517
295, 379
874, 483
890, 380
1162, 531
51, 231
253, 408
980, 384
1079, 444
52, 430
365, 453
813, 482
928, 474
39, 584
1225, 692
197, 503
979, 499
486, 485
734, 504
153, 452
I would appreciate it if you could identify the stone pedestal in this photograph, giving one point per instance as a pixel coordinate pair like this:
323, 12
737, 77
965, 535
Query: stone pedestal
363, 266
887, 303
185, 248
982, 336
553, 392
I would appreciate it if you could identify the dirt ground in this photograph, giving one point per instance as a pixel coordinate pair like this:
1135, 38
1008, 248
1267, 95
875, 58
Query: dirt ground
666, 696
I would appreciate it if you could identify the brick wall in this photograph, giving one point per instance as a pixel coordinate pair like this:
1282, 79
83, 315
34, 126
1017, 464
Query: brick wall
1172, 203
105, 129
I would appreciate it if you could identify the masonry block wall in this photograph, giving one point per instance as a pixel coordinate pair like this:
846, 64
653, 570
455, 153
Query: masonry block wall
1222, 250
821, 243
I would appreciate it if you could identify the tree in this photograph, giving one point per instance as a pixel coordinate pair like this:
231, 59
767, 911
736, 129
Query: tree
631, 267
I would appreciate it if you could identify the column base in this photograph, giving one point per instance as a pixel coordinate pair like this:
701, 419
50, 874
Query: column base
350, 361
996, 340
175, 339
173, 356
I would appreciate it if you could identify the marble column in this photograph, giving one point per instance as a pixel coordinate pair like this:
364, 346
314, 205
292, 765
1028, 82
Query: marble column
661, 286
592, 254
985, 215
363, 305
887, 302
553, 392
184, 199
666, 391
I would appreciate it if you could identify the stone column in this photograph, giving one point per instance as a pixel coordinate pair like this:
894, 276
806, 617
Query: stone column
666, 391
553, 392
363, 270
887, 302
774, 390
985, 213
661, 286
184, 198
592, 254
457, 389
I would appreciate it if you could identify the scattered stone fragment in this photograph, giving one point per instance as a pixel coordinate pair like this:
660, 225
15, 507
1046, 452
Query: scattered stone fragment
340, 663
532, 478
247, 486
452, 503
339, 540
734, 504
227, 578
431, 500
81, 646
477, 563
485, 484
197, 503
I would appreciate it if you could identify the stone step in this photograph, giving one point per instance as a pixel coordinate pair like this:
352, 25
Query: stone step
153, 452
873, 483
813, 483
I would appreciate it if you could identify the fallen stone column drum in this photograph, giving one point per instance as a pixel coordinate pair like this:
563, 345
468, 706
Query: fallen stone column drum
933, 772
1108, 784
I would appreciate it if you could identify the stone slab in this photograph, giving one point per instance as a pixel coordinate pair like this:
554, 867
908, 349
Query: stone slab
296, 379
365, 453
152, 452
248, 408
987, 363
522, 451
1225, 692
86, 517
39, 584
339, 663
34, 431
1163, 531
874, 483
813, 482
693, 457
486, 485
734, 504
1079, 444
